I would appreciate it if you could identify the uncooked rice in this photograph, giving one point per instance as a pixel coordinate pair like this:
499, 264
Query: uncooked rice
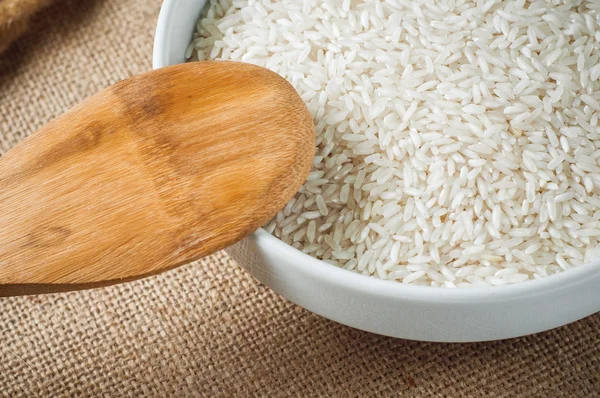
457, 141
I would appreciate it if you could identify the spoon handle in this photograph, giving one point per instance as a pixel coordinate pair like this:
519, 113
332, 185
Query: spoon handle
78, 203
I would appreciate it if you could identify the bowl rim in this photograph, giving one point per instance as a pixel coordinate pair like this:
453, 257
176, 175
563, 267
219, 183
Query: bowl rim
159, 47
332, 274
375, 286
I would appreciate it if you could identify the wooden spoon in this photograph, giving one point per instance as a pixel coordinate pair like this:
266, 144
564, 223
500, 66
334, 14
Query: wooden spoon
154, 172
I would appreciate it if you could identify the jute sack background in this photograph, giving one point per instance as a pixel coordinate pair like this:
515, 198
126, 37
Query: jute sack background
209, 329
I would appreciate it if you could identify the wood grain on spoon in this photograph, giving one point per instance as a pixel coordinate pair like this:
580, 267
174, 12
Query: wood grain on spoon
154, 172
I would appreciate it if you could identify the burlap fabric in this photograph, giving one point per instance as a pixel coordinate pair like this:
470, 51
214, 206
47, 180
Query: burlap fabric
209, 329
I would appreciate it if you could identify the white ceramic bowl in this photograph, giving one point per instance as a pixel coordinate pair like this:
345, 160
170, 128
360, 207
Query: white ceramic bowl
385, 307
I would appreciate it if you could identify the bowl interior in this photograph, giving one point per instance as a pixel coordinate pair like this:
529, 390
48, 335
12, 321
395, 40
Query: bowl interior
175, 26
176, 23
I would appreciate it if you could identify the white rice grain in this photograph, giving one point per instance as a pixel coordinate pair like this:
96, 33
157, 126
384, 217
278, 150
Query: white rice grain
456, 140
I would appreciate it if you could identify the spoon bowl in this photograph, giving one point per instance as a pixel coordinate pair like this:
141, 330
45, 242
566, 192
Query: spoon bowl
154, 172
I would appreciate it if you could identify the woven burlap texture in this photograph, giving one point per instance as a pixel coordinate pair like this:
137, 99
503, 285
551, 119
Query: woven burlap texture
209, 329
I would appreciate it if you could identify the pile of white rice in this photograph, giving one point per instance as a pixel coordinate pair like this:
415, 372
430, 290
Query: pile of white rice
458, 140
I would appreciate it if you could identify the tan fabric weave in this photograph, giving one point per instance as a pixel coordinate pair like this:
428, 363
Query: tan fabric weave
208, 329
